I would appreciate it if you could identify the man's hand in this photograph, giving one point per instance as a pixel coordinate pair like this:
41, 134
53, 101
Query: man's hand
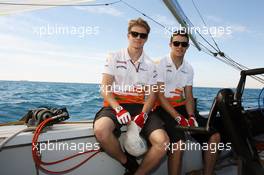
122, 115
140, 119
182, 121
192, 121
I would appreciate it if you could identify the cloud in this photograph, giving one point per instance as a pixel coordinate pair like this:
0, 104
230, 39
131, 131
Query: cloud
165, 20
222, 31
169, 23
12, 44
234, 29
101, 10
48, 68
22, 24
239, 28
22, 44
26, 59
229, 27
24, 56
215, 19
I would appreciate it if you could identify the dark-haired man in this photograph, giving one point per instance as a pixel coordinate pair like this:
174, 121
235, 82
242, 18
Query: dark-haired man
175, 78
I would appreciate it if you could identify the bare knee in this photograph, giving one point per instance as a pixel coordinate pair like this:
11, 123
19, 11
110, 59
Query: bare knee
103, 129
159, 140
101, 134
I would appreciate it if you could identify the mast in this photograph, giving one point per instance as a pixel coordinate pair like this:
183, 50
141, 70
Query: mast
180, 16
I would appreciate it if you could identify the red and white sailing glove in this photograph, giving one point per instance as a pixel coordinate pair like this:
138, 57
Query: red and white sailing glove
140, 119
182, 121
122, 115
192, 121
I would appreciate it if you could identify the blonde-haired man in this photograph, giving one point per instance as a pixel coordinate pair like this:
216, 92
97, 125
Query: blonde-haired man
132, 68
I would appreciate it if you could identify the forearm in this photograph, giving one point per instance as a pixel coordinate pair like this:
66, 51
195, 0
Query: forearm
109, 97
190, 105
167, 106
150, 102
106, 90
189, 100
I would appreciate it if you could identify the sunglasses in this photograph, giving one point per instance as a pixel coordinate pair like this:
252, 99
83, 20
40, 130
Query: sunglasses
178, 43
141, 35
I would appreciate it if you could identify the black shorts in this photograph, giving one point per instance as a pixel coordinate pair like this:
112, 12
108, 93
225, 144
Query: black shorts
153, 122
174, 134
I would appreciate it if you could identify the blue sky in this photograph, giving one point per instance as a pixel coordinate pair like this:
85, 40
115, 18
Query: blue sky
27, 54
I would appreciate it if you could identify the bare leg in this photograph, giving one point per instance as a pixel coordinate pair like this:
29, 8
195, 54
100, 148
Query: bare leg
210, 155
175, 159
103, 129
157, 151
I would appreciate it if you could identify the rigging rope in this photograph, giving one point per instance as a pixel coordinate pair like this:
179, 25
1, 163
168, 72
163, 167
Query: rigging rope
132, 7
53, 5
199, 13
203, 37
231, 62
37, 157
227, 60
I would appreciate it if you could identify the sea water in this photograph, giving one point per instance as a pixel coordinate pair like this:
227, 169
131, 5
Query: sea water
81, 100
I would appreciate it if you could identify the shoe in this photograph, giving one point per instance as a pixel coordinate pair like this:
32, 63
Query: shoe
131, 165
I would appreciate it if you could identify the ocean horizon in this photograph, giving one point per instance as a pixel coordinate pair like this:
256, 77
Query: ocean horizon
82, 100
96, 83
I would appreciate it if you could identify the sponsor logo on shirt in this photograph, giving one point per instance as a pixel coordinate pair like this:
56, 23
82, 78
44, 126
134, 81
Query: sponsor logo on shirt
123, 67
121, 62
183, 71
142, 69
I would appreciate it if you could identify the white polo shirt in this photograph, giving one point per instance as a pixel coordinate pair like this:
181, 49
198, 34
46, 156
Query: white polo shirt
174, 79
130, 78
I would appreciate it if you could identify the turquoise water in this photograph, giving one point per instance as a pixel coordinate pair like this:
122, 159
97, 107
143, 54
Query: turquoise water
81, 100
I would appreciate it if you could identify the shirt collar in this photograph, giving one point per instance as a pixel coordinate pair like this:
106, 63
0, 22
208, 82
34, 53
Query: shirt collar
182, 66
140, 60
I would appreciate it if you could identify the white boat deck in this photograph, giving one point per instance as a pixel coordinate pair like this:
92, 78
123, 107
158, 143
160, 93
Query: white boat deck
17, 152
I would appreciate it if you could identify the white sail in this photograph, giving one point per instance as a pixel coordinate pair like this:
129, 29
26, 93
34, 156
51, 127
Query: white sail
180, 16
11, 8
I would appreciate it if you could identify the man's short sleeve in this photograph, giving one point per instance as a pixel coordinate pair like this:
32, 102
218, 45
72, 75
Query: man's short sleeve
161, 71
190, 77
109, 65
153, 75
